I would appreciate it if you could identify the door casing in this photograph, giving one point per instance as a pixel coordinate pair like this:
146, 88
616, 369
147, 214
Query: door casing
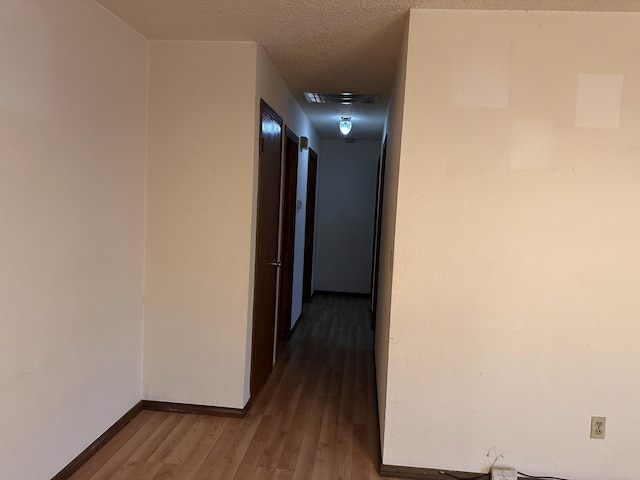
288, 232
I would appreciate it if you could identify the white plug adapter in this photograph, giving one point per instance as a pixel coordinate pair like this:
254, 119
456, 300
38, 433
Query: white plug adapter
504, 473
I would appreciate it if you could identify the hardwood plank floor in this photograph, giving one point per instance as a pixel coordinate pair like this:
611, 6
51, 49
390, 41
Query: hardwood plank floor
315, 418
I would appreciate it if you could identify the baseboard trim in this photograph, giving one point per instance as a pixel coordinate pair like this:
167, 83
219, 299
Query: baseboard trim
427, 473
88, 452
194, 409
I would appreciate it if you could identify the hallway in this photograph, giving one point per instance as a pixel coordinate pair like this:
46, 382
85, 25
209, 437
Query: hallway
315, 418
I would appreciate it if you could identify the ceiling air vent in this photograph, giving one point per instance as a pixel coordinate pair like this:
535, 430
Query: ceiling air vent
345, 98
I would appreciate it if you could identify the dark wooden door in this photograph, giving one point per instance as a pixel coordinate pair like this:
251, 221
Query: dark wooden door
267, 264
289, 208
310, 225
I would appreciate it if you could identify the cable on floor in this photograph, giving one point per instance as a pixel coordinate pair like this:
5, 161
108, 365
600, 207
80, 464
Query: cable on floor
479, 477
535, 477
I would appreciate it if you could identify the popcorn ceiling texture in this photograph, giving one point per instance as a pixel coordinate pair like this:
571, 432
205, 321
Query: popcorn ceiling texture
328, 45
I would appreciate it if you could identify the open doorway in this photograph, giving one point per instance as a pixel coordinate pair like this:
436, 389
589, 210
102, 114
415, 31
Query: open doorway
310, 226
377, 233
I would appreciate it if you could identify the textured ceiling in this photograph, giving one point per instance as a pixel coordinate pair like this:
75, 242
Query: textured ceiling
319, 45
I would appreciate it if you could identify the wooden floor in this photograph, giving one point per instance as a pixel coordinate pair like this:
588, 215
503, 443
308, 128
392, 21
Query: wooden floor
315, 418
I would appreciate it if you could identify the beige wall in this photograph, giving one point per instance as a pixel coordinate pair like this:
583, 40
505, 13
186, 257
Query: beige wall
200, 203
514, 311
201, 195
72, 152
393, 134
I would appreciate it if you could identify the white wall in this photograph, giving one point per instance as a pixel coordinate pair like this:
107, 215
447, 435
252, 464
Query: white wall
393, 134
199, 221
347, 179
273, 90
72, 153
514, 311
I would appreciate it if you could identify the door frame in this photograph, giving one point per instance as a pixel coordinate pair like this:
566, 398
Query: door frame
310, 225
288, 232
377, 235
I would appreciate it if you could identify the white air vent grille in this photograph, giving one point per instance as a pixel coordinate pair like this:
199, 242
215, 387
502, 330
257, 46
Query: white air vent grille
344, 98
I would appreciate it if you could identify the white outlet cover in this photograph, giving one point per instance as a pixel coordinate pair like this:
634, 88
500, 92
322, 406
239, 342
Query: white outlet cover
598, 426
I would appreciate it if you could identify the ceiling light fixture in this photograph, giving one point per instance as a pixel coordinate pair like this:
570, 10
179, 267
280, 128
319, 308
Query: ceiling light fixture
345, 125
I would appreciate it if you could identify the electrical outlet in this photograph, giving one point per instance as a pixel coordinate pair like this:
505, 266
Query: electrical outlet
597, 427
504, 473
